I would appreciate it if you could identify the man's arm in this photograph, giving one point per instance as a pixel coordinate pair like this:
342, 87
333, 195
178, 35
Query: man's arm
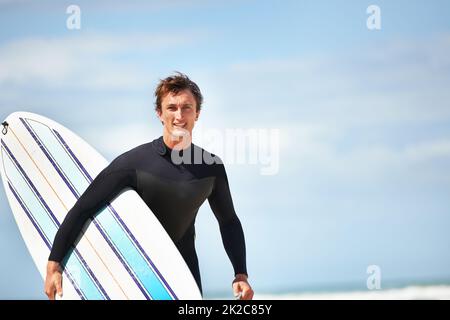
231, 231
108, 184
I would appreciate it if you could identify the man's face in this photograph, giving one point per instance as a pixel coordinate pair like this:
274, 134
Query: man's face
178, 113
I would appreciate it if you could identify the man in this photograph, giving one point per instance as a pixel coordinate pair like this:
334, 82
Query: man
155, 171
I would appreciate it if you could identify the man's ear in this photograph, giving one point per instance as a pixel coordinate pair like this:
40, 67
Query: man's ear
198, 114
158, 114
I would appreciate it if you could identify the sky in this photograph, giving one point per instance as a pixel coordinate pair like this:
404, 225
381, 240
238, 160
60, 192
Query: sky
361, 116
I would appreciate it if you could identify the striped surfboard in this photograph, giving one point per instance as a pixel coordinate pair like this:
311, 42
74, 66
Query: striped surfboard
123, 253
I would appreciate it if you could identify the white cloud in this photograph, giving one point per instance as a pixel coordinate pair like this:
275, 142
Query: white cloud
317, 150
428, 150
87, 61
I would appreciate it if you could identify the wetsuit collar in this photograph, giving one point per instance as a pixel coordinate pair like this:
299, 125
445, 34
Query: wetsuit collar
161, 148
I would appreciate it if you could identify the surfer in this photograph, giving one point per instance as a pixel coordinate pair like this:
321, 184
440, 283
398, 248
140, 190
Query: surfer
174, 177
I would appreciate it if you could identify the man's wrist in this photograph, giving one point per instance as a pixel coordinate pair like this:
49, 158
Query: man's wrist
53, 266
240, 277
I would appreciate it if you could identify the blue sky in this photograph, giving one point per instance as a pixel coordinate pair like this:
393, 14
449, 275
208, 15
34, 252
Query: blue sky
363, 116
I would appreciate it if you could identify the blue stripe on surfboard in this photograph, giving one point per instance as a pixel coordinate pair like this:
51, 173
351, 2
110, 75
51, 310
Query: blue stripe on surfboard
44, 238
46, 224
124, 243
89, 179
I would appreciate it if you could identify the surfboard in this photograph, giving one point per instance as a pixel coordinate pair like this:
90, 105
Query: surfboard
122, 253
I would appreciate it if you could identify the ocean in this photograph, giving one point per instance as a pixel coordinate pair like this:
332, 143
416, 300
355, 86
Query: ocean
431, 290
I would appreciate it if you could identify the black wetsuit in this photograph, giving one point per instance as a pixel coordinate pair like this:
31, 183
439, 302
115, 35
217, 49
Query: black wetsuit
174, 191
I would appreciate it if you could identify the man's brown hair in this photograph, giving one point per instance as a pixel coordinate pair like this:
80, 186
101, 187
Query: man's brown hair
176, 83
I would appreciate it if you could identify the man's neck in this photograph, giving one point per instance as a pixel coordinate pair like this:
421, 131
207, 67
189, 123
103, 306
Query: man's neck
177, 142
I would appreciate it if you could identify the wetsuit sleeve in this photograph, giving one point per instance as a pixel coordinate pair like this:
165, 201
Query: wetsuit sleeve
102, 190
230, 226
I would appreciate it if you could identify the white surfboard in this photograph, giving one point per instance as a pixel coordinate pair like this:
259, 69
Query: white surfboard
123, 253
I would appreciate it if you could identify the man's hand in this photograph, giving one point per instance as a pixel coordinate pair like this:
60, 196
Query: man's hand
241, 288
53, 280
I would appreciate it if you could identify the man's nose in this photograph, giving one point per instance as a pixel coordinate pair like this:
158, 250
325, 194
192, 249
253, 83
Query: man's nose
178, 114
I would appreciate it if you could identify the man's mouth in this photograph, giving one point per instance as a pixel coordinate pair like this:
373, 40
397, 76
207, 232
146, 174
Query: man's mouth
179, 125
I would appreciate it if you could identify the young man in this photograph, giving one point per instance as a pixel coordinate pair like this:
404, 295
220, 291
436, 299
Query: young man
158, 171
